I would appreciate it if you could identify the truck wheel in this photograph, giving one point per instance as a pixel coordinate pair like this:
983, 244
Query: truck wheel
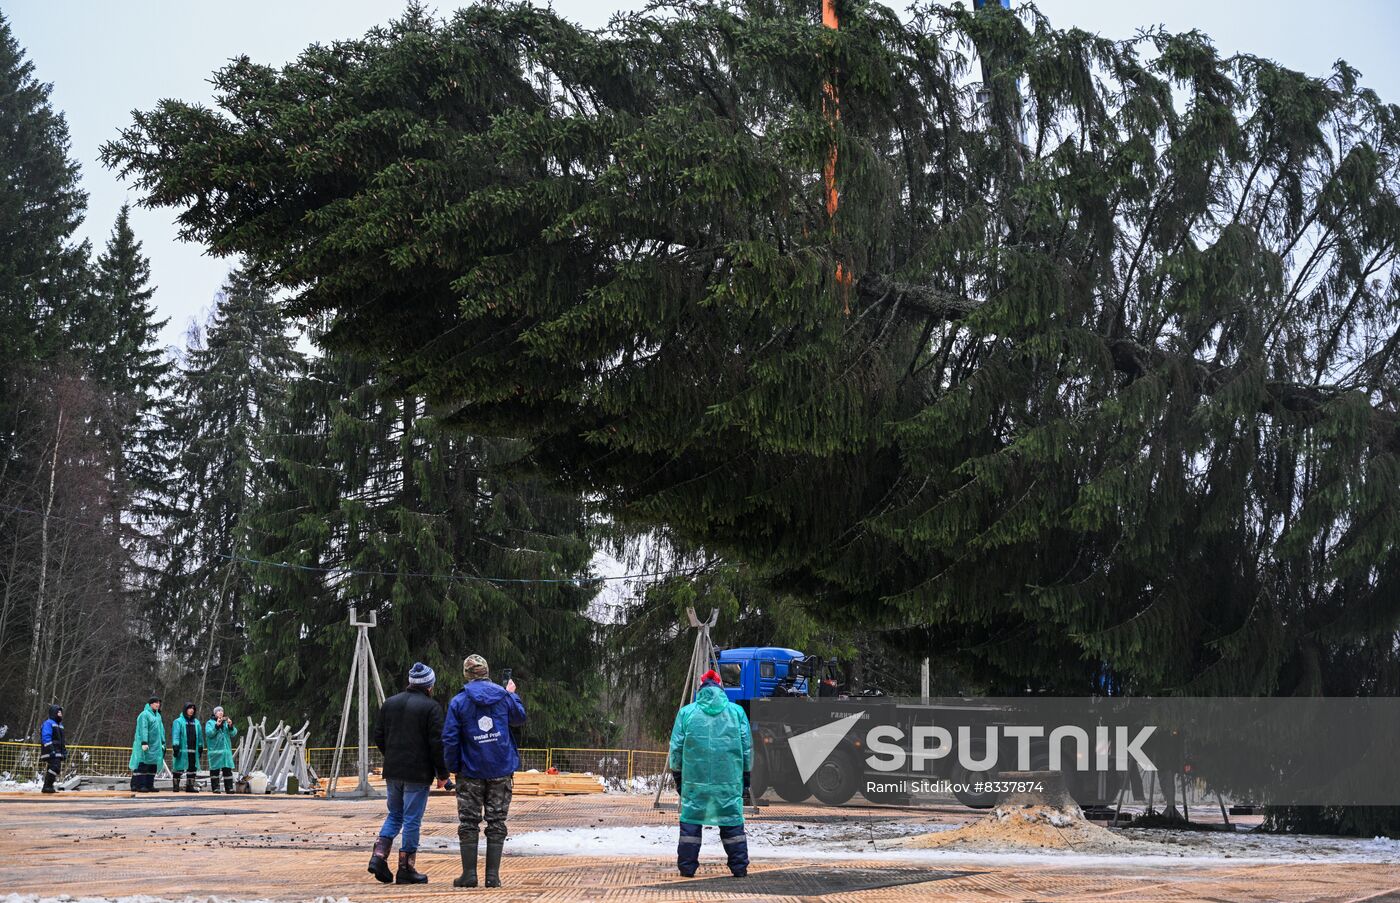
966, 795
790, 789
758, 777
837, 779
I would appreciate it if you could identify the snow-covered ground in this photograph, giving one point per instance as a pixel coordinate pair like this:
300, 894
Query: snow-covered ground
863, 840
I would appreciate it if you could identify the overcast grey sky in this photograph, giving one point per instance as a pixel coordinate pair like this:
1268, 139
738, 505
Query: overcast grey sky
108, 58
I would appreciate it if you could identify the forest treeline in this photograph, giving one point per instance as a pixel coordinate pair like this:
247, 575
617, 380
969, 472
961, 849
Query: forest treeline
197, 521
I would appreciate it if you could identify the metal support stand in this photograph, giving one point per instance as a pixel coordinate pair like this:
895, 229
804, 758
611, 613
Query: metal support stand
362, 670
1224, 814
702, 659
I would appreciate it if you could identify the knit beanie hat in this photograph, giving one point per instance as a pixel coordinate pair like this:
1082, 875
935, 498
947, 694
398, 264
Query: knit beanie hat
152, 699
710, 676
420, 675
474, 668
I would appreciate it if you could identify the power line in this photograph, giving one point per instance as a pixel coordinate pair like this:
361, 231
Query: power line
358, 572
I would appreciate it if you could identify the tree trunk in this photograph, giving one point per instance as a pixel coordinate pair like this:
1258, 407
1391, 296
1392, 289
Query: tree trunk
39, 631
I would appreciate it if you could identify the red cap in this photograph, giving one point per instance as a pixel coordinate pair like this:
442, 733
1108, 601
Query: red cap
710, 675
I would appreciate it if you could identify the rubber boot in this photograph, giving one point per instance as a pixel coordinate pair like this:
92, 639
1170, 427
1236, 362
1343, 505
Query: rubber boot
379, 861
228, 785
213, 781
468, 878
494, 848
407, 873
191, 782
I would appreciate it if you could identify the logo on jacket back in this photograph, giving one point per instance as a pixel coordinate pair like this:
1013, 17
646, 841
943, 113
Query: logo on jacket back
485, 722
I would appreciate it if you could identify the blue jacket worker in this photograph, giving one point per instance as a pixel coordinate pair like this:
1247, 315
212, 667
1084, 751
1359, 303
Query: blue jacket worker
55, 749
409, 735
479, 748
711, 757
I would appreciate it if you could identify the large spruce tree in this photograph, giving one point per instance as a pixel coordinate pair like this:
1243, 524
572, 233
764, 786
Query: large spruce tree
65, 609
1095, 367
366, 501
43, 267
114, 335
231, 384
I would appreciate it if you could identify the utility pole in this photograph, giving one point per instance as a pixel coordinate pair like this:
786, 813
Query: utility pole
362, 669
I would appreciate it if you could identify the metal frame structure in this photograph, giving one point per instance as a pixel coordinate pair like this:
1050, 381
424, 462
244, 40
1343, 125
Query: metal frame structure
362, 669
702, 659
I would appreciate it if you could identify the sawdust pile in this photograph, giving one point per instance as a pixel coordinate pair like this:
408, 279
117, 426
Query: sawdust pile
1028, 827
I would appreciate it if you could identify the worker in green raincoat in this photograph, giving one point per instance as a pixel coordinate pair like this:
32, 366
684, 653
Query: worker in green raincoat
219, 734
186, 743
147, 748
711, 757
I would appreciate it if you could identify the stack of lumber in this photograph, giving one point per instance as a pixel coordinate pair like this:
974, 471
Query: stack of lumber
534, 783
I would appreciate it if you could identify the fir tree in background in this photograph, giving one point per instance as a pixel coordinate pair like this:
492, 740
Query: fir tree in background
231, 385
375, 506
114, 332
43, 268
66, 609
1092, 379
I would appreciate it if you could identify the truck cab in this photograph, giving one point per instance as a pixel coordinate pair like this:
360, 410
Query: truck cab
758, 672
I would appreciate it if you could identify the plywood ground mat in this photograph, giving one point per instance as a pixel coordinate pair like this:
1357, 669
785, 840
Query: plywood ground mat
280, 848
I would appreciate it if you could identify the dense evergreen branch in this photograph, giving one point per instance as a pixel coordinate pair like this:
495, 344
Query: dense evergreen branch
1118, 376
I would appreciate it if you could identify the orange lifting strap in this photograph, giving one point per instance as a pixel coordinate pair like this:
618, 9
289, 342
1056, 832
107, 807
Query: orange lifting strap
831, 106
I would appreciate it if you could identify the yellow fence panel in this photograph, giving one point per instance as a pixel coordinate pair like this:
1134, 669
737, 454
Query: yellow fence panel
624, 770
534, 759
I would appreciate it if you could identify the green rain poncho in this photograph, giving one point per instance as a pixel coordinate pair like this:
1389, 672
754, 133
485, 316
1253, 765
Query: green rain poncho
220, 743
711, 747
151, 731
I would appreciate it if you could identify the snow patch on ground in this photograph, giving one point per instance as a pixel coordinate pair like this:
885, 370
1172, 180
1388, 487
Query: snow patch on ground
867, 840
9, 784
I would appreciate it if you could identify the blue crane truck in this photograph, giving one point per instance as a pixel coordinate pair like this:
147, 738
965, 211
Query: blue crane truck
765, 679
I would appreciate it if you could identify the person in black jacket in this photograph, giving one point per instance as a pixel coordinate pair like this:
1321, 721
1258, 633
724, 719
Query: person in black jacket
409, 735
55, 749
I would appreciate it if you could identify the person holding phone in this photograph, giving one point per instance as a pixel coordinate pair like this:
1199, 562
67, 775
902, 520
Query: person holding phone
479, 748
219, 734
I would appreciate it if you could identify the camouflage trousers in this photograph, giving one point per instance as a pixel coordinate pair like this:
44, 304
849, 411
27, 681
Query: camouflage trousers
477, 799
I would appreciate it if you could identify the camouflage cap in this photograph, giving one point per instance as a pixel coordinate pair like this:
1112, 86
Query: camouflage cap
474, 668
